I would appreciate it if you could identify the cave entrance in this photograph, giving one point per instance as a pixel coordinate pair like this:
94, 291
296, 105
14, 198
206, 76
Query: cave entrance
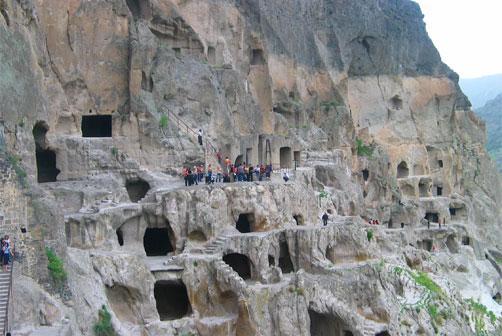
245, 223
46, 166
297, 157
440, 163
158, 241
285, 157
137, 189
466, 240
327, 325
211, 55
239, 263
285, 263
120, 236
299, 219
426, 244
249, 155
497, 298
271, 260
239, 160
171, 299
432, 217
257, 57
383, 333
366, 174
452, 244
396, 102
403, 170
97, 126
45, 157
439, 191
423, 189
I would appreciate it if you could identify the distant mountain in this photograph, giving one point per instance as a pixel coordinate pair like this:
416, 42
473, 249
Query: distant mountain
481, 90
492, 114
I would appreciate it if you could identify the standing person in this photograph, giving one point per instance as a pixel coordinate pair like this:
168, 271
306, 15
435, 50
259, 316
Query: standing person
195, 176
199, 136
250, 173
325, 218
428, 224
218, 174
240, 173
227, 164
218, 156
268, 171
262, 172
6, 253
285, 176
185, 175
200, 173
1, 249
257, 172
209, 175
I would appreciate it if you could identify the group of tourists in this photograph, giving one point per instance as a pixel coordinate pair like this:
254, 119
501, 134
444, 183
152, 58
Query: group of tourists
231, 173
6, 252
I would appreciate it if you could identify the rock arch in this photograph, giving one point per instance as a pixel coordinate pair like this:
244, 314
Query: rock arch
403, 170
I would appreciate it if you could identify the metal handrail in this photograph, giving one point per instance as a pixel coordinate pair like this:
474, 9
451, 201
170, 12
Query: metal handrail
189, 129
6, 323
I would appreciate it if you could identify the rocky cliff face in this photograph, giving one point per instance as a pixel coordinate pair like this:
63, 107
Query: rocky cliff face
99, 101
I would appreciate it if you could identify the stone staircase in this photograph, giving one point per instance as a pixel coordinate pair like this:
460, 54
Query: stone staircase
226, 274
217, 245
5, 287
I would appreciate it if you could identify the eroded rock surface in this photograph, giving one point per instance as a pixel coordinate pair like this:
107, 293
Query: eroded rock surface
352, 94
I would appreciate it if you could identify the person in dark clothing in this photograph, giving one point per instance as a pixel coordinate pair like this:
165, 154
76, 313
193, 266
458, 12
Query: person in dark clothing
199, 137
428, 224
325, 218
402, 225
250, 173
185, 175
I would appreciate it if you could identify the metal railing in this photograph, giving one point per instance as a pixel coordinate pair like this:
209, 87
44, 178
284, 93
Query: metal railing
182, 125
9, 294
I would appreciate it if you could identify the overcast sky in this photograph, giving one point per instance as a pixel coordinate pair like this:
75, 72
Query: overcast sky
467, 33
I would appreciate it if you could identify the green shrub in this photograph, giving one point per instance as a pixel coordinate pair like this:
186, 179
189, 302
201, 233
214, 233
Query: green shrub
369, 235
104, 325
163, 122
56, 268
115, 151
362, 149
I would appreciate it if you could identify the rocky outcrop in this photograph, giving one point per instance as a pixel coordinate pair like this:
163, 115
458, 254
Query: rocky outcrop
100, 104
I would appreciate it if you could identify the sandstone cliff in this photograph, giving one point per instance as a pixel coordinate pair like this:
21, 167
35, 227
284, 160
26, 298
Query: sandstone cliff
352, 92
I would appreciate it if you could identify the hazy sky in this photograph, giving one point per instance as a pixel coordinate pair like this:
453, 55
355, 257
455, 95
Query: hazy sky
467, 34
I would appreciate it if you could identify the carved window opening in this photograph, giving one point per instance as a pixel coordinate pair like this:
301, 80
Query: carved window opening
96, 126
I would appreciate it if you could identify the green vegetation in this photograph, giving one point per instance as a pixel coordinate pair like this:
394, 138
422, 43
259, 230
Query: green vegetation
327, 105
104, 325
432, 299
56, 268
163, 122
479, 313
115, 151
362, 149
369, 235
323, 194
20, 172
